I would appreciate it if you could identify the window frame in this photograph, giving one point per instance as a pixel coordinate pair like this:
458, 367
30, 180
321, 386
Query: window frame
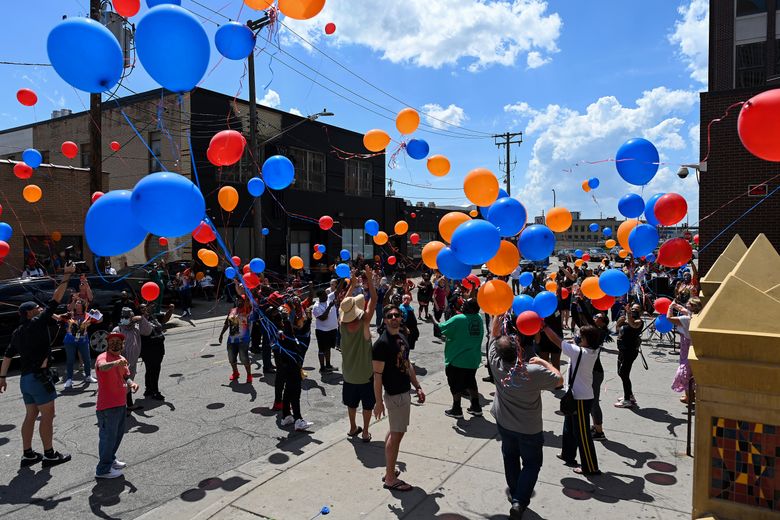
362, 174
304, 172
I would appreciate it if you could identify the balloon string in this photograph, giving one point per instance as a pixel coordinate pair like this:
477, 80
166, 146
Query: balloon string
718, 120
161, 125
141, 138
150, 261
747, 192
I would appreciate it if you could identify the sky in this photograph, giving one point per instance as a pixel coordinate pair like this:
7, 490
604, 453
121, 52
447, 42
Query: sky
577, 78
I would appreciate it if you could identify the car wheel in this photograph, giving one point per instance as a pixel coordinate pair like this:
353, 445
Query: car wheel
98, 341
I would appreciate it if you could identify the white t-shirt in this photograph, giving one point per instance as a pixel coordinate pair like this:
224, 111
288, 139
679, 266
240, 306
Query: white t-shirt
329, 323
583, 383
684, 328
207, 281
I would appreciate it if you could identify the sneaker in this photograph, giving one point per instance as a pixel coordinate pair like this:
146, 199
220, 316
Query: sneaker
56, 459
302, 425
633, 400
249, 378
597, 435
331, 368
324, 370
458, 414
488, 379
477, 412
277, 406
287, 421
68, 384
35, 458
623, 403
113, 473
157, 396
234, 376
118, 464
516, 513
90, 379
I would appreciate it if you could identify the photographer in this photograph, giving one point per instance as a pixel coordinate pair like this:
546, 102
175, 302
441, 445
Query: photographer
32, 342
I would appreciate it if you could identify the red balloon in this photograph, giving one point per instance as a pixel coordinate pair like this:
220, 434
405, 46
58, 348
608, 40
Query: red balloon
670, 209
696, 239
758, 126
162, 241
251, 280
414, 238
22, 171
127, 8
605, 303
330, 28
585, 257
565, 293
470, 282
1, 211
661, 305
326, 222
413, 214
529, 323
227, 147
26, 97
69, 149
391, 260
150, 290
675, 252
4, 248
236, 260
96, 196
203, 233
115, 146
246, 269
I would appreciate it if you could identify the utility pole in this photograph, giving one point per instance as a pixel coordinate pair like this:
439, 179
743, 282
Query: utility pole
506, 140
95, 115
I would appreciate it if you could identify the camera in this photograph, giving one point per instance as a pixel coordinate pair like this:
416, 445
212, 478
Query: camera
682, 172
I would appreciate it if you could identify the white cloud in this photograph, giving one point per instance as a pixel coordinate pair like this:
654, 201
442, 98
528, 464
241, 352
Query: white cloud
691, 33
438, 117
294, 111
536, 60
434, 33
271, 99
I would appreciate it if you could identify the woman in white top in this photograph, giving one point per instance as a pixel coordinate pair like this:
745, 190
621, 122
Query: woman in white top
576, 428
682, 321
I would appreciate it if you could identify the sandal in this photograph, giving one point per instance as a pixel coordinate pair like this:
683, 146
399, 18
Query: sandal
367, 439
399, 485
580, 471
397, 473
357, 432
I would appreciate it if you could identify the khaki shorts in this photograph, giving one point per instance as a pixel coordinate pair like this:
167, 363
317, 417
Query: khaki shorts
398, 408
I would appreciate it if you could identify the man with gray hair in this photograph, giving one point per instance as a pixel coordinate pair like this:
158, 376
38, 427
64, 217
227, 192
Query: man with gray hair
133, 327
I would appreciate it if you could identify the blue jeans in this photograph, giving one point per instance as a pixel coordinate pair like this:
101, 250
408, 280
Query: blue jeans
111, 424
514, 448
70, 358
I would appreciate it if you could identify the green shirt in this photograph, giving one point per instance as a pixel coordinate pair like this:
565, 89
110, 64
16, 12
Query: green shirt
356, 364
463, 334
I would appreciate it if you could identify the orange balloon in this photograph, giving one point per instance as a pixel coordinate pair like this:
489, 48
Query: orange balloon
407, 120
317, 255
228, 198
438, 165
481, 187
559, 219
200, 275
506, 260
56, 236
624, 230
495, 297
430, 251
381, 238
585, 186
32, 193
208, 257
376, 140
301, 9
450, 222
610, 243
578, 262
473, 213
259, 5
401, 227
296, 262
590, 288
551, 286
553, 275
622, 253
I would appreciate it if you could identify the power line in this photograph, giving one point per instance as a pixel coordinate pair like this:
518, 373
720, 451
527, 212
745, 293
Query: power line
25, 63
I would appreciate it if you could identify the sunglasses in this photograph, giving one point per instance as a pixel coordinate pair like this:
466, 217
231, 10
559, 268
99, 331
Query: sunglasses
392, 316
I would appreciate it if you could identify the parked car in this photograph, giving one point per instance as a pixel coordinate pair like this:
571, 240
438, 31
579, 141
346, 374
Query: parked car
597, 254
566, 254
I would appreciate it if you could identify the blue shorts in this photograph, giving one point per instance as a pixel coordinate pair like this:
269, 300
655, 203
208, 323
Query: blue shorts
353, 394
33, 391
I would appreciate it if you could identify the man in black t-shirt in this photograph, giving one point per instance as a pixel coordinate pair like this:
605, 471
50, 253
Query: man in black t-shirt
394, 373
32, 342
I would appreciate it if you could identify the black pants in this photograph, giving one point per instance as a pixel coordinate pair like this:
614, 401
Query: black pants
152, 352
287, 388
626, 358
576, 435
266, 347
462, 383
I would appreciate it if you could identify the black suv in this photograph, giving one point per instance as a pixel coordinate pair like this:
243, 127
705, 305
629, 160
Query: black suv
106, 290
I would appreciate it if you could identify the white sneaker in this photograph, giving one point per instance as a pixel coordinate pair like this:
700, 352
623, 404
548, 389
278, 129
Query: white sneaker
302, 424
118, 464
68, 384
287, 421
114, 473
623, 403
90, 379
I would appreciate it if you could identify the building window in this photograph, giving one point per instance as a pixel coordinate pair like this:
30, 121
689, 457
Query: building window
357, 242
309, 169
750, 65
299, 246
155, 145
748, 7
86, 155
359, 178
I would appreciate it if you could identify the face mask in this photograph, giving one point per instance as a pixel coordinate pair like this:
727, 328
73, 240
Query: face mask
124, 321
635, 314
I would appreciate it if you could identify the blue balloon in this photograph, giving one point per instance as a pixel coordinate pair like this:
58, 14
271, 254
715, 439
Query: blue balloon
278, 172
614, 282
5, 231
545, 303
257, 265
508, 215
154, 3
650, 257
344, 254
230, 273
483, 210
650, 207
475, 242
578, 253
234, 41
372, 227
32, 157
631, 205
663, 325
264, 231
536, 242
255, 186
167, 204
522, 303
417, 149
320, 248
637, 161
593, 183
593, 227
607, 232
85, 54
526, 279
110, 226
342, 271
642, 240
173, 47
450, 266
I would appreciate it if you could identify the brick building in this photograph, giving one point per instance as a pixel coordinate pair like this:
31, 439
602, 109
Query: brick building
744, 60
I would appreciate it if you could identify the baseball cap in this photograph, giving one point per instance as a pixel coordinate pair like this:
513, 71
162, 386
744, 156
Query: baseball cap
115, 335
26, 307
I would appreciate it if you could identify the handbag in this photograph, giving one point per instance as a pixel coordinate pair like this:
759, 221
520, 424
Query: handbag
568, 405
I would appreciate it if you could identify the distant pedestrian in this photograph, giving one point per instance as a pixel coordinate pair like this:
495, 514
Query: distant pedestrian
153, 350
325, 328
237, 325
462, 356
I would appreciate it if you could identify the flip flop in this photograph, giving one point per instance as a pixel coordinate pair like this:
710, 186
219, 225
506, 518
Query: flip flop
397, 472
356, 432
399, 485
367, 439
580, 471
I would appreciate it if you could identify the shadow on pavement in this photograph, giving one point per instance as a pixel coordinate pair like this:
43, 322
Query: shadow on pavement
660, 416
607, 488
476, 427
133, 425
210, 484
105, 493
640, 458
23, 487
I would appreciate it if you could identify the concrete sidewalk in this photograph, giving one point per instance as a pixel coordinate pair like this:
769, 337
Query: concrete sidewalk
457, 470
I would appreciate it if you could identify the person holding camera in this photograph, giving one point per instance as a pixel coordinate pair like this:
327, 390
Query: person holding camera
629, 327
31, 341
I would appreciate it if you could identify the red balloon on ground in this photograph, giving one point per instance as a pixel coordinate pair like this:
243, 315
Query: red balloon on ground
330, 28
22, 171
529, 323
326, 222
758, 125
150, 290
414, 238
675, 253
69, 149
127, 8
4, 248
26, 97
162, 241
96, 196
391, 260
227, 147
115, 146
605, 303
670, 209
203, 233
661, 305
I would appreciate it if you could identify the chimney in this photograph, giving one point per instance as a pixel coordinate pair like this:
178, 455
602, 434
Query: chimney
55, 114
65, 112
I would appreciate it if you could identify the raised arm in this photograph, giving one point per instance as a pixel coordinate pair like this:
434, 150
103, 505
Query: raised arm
552, 336
372, 293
